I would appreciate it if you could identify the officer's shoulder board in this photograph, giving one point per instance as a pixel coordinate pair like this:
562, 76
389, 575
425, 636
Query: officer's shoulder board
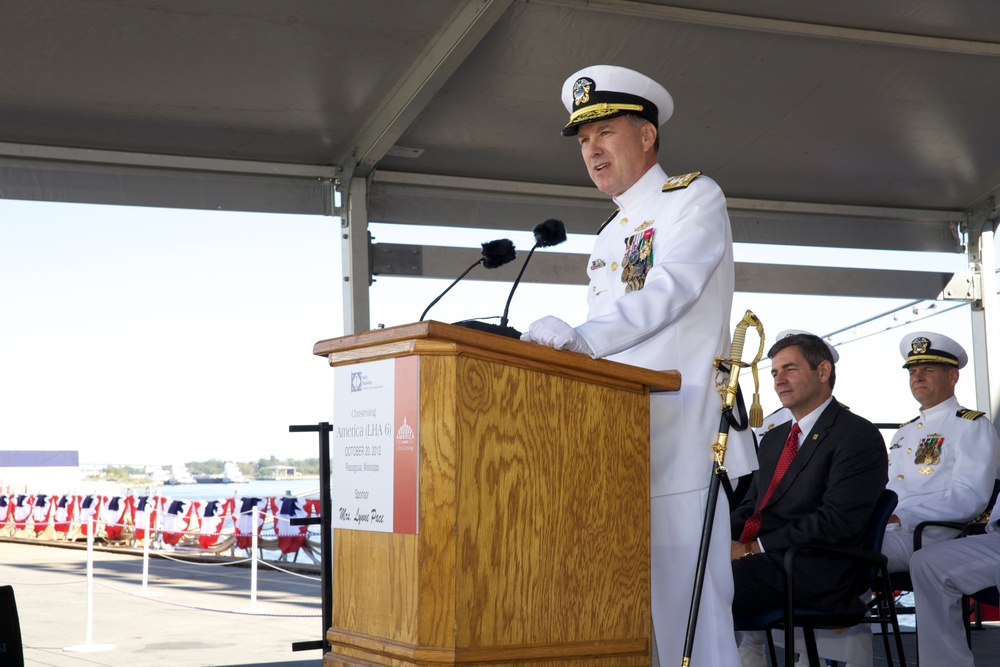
610, 218
680, 182
969, 414
911, 421
770, 423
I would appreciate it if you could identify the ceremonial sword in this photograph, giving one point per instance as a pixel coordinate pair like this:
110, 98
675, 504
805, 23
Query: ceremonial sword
734, 363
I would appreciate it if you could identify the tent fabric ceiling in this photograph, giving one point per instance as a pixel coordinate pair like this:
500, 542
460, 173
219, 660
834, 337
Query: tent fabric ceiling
256, 80
850, 105
770, 116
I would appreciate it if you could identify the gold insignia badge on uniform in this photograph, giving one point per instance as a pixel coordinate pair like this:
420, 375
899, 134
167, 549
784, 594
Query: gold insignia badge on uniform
581, 91
680, 182
648, 223
896, 445
919, 345
929, 450
969, 414
638, 260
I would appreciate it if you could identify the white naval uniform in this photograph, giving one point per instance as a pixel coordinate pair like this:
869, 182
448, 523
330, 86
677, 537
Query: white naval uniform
679, 319
953, 484
941, 574
956, 488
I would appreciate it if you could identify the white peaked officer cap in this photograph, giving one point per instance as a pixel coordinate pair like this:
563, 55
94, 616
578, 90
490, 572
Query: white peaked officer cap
927, 347
605, 91
792, 332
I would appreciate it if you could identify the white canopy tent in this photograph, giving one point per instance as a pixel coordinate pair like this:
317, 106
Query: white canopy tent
851, 125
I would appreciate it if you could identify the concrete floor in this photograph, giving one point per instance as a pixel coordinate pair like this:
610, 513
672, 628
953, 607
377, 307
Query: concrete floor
192, 614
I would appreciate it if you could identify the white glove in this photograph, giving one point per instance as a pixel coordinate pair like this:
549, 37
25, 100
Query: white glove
553, 332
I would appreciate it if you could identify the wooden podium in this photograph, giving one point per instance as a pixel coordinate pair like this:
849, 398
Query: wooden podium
533, 511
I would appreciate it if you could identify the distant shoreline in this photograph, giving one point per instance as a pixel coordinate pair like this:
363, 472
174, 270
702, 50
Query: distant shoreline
142, 483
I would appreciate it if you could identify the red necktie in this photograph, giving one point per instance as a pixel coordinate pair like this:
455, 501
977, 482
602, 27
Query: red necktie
752, 524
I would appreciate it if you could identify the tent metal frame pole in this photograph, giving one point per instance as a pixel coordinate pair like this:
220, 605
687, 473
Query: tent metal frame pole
355, 242
985, 326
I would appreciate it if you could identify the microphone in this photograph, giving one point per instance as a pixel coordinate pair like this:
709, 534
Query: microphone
495, 253
549, 233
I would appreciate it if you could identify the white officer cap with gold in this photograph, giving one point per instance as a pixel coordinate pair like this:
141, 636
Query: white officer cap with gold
605, 91
927, 347
792, 332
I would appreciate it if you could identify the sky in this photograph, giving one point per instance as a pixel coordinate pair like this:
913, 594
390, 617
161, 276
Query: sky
157, 336
138, 335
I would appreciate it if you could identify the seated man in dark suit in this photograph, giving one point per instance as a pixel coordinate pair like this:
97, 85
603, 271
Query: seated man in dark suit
820, 476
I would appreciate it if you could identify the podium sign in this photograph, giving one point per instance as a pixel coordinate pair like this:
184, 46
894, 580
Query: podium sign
531, 474
374, 448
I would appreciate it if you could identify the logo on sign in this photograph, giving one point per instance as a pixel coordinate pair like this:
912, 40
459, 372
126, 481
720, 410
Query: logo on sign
356, 381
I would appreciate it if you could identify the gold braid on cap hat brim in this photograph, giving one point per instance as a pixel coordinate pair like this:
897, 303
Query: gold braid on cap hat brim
930, 359
602, 110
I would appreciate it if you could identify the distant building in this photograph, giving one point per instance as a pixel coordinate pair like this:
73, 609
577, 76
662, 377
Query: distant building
39, 471
278, 472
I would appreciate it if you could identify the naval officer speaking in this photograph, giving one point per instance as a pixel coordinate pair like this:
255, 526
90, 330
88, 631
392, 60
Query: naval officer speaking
660, 295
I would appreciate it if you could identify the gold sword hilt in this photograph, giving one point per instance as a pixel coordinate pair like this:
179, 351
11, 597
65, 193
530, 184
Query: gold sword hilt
733, 364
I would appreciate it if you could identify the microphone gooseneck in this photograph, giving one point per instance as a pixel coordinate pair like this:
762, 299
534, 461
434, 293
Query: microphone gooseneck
494, 253
549, 233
